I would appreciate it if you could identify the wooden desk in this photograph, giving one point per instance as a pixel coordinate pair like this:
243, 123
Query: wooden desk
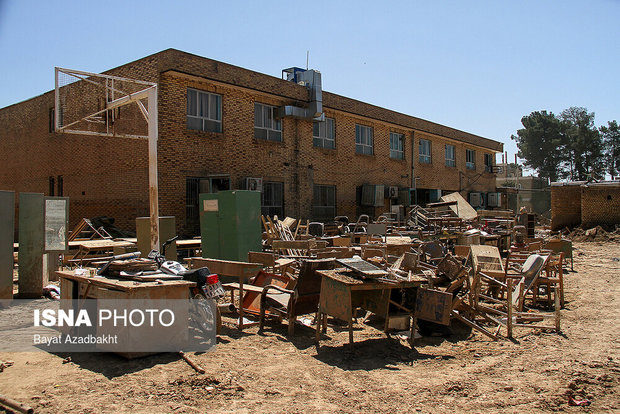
191, 245
87, 249
86, 287
341, 294
74, 290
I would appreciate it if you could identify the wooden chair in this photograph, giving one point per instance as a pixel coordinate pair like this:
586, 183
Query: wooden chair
301, 300
371, 251
552, 280
525, 272
563, 246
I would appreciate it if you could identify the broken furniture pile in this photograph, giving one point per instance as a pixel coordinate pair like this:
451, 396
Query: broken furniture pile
472, 283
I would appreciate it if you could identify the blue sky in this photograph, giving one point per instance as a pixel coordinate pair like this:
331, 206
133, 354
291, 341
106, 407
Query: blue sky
478, 66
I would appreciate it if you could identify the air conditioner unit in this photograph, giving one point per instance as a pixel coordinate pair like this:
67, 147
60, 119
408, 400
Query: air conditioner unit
494, 199
253, 184
476, 200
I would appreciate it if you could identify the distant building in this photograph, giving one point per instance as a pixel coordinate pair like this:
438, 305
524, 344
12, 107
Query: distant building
529, 191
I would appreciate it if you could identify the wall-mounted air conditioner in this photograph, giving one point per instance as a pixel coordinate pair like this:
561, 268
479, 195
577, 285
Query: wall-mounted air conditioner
476, 200
253, 184
494, 199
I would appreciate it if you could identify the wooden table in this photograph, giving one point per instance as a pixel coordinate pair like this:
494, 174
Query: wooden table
88, 249
75, 289
86, 287
341, 294
193, 246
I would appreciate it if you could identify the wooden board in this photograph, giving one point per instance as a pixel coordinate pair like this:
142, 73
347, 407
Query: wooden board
463, 209
487, 259
433, 306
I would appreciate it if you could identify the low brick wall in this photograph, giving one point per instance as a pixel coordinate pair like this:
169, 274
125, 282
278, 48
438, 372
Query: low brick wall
600, 204
565, 205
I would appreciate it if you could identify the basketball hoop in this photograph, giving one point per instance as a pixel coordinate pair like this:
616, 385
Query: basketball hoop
111, 106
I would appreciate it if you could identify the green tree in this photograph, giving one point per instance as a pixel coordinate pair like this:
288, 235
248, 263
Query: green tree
584, 144
611, 146
542, 143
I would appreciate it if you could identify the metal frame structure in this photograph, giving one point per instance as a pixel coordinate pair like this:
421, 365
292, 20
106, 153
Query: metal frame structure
116, 98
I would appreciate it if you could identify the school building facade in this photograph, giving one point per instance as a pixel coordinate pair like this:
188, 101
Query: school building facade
311, 153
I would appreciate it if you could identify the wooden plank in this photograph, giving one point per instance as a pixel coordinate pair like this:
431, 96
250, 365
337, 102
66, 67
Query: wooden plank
230, 268
463, 209
433, 306
123, 285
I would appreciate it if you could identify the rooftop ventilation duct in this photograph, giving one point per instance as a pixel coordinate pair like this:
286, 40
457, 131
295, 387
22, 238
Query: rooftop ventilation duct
311, 79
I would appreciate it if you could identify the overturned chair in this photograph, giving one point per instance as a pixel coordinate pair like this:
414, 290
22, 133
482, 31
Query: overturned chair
302, 299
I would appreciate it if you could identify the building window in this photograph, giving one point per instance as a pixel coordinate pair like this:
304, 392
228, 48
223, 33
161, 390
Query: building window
266, 126
425, 151
323, 133
324, 202
397, 145
470, 159
204, 111
450, 156
488, 163
272, 199
363, 139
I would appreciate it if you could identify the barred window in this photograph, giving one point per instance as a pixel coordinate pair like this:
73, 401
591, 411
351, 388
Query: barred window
324, 202
272, 199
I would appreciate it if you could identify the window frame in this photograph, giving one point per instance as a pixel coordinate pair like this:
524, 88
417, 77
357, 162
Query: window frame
320, 205
450, 162
396, 153
364, 140
424, 157
325, 129
470, 154
273, 129
488, 167
206, 122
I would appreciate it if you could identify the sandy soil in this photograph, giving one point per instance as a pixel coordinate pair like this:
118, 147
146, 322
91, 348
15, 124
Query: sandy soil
270, 373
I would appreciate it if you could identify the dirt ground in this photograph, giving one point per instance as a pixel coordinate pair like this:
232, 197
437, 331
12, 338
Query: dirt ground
465, 372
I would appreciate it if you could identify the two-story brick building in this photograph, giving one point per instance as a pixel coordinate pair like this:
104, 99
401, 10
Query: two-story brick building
225, 127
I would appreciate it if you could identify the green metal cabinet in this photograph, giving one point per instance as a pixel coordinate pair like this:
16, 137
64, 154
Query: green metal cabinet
230, 224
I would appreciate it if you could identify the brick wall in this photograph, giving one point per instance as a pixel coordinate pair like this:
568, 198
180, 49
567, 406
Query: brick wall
600, 204
565, 205
108, 176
